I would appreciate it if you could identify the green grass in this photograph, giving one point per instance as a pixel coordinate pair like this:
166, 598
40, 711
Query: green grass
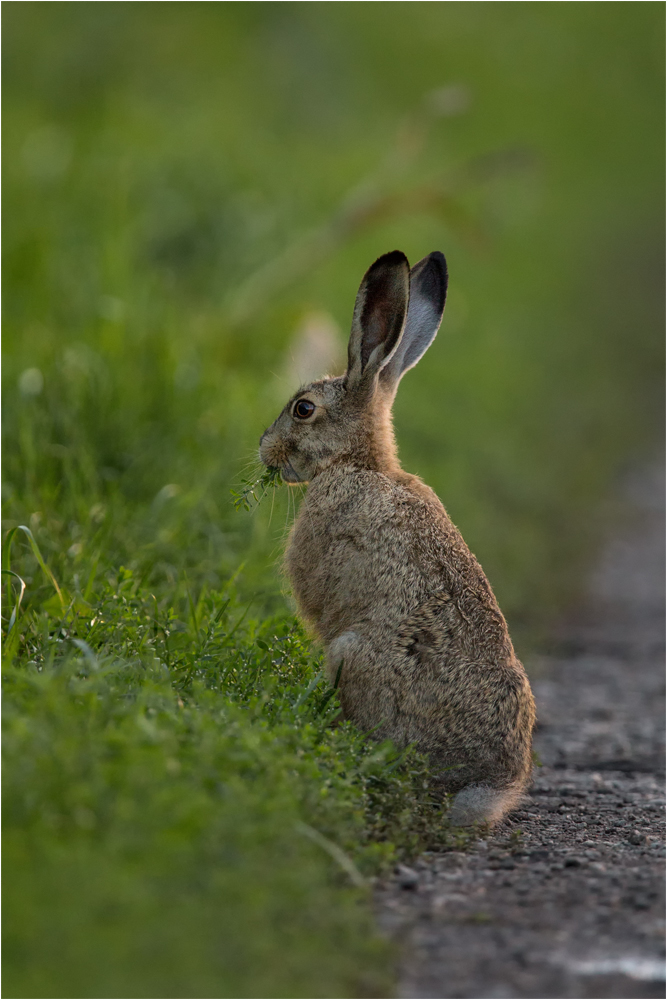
181, 818
186, 186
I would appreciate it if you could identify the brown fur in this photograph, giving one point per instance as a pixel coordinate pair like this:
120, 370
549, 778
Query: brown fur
387, 582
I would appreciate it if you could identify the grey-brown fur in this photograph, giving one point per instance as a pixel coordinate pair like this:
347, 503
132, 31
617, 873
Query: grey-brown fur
383, 576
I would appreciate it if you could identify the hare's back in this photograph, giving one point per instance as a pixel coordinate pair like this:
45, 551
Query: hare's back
399, 522
364, 539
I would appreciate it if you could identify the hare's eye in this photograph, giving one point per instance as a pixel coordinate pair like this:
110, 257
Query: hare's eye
304, 409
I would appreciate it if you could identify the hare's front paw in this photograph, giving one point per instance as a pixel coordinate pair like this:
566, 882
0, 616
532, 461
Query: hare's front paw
339, 651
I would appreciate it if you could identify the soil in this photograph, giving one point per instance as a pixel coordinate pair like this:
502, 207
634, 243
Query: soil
566, 897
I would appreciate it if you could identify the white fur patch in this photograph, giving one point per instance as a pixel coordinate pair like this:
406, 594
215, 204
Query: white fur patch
482, 804
339, 649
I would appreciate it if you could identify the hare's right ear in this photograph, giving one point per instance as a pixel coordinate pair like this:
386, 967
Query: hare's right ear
428, 291
379, 318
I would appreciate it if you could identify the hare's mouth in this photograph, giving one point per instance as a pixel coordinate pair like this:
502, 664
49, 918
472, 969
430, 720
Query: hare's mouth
289, 475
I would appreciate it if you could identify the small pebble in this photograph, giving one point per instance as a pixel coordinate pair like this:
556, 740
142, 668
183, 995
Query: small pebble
407, 877
539, 855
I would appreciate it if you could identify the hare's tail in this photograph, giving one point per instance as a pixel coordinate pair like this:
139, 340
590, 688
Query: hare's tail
484, 804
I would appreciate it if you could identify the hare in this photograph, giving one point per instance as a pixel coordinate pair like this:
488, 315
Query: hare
408, 620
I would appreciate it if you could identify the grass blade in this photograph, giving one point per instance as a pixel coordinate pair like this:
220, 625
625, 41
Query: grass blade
40, 559
17, 605
331, 692
311, 687
335, 852
7, 548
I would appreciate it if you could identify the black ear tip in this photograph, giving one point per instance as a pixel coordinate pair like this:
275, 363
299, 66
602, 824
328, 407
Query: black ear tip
438, 257
392, 259
439, 265
431, 276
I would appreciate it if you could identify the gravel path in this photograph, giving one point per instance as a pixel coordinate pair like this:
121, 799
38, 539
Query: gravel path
566, 899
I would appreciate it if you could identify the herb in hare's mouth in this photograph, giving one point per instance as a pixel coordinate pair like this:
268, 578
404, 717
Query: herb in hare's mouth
256, 490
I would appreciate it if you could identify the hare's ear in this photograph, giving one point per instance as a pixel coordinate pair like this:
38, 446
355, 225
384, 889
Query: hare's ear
379, 317
428, 290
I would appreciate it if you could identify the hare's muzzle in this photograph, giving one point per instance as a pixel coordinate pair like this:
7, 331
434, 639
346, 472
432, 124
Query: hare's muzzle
272, 452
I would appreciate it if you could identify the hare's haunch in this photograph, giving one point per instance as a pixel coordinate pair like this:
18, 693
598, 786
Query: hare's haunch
381, 573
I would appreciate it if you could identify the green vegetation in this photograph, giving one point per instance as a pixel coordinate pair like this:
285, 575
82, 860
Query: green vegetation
254, 491
188, 187
181, 817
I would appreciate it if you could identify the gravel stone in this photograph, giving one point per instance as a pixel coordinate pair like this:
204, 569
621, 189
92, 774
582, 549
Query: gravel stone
407, 878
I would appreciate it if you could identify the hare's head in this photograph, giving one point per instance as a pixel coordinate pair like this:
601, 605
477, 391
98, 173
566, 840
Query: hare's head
348, 419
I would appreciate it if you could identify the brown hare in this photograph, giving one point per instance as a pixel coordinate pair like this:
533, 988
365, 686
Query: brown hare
407, 618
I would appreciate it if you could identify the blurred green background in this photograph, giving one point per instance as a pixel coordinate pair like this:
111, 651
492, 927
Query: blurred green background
193, 192
186, 182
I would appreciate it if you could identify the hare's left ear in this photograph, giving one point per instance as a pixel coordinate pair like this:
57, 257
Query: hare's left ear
379, 318
428, 291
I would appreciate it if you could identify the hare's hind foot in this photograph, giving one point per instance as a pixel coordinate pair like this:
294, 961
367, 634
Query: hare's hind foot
483, 804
